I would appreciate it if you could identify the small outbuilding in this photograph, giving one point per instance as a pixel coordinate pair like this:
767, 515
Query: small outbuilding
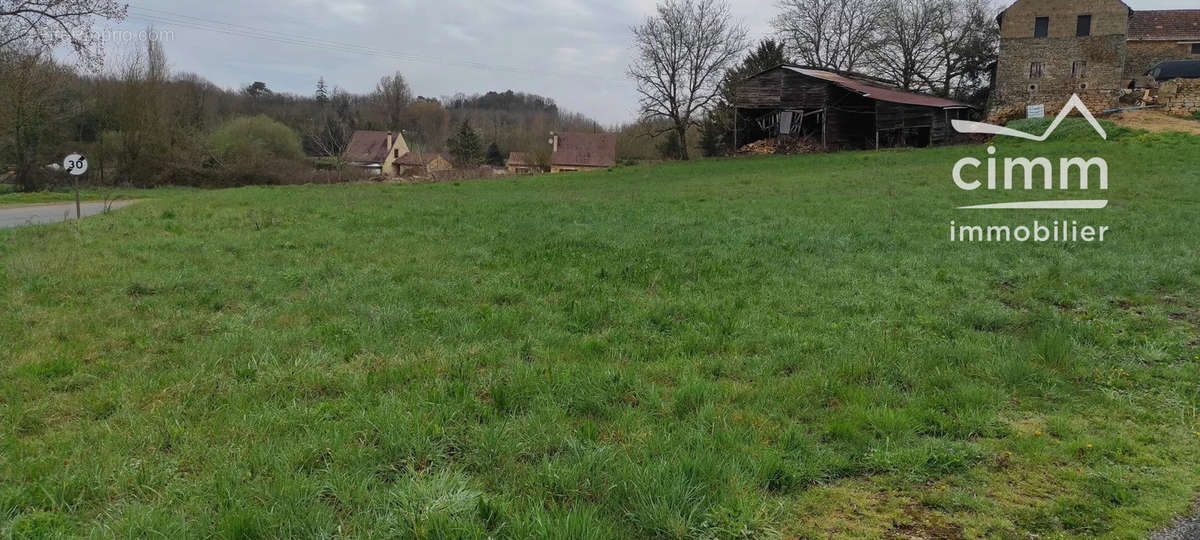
841, 110
422, 164
520, 163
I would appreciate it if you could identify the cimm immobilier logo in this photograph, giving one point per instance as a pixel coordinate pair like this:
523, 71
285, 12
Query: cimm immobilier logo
971, 174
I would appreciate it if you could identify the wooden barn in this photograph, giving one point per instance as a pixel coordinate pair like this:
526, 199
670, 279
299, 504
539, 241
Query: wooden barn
840, 110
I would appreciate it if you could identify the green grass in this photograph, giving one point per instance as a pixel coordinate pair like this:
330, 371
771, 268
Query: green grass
8, 197
733, 348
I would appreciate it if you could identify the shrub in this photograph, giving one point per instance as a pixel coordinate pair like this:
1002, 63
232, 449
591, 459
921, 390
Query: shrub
254, 141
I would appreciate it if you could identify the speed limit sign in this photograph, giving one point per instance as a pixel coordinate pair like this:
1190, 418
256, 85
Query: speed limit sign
75, 164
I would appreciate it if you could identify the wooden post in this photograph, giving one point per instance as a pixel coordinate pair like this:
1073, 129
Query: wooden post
824, 125
78, 209
735, 131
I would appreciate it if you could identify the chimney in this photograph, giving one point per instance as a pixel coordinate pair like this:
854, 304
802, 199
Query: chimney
554, 140
389, 143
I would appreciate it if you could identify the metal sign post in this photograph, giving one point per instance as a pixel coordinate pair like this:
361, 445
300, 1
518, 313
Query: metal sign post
76, 165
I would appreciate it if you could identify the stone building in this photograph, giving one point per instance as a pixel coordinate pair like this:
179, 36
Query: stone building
1050, 49
376, 152
422, 164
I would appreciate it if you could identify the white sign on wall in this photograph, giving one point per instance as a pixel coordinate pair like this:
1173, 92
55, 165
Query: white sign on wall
1035, 111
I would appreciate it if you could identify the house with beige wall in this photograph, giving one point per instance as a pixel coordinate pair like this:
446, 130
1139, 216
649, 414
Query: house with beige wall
376, 152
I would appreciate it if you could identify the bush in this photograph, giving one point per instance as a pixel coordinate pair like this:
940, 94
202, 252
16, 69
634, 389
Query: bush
254, 141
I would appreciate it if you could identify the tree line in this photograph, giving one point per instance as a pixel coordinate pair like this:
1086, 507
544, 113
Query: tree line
142, 125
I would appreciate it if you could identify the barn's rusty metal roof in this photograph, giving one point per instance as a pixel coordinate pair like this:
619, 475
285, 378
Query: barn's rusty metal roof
877, 91
1165, 25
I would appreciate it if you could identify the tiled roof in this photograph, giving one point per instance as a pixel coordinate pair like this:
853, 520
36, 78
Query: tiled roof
517, 159
585, 150
367, 147
1165, 25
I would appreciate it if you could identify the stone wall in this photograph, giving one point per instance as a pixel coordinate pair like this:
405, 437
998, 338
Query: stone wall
1103, 74
1104, 51
1144, 55
1180, 96
1109, 17
1096, 102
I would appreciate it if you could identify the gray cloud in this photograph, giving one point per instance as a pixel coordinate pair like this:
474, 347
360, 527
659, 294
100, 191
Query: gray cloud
575, 51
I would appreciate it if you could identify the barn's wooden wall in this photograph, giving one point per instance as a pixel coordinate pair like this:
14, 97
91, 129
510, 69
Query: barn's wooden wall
782, 89
851, 119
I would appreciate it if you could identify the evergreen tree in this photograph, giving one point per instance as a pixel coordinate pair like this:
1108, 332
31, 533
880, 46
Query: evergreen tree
712, 142
670, 147
465, 146
322, 92
494, 157
768, 54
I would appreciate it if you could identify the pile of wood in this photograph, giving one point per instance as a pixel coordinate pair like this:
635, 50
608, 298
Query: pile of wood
771, 146
1001, 116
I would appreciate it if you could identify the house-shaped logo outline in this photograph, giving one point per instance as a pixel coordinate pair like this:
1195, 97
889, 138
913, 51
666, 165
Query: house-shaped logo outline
1073, 104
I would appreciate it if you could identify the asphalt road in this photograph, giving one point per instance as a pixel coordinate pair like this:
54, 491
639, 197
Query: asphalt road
1183, 529
19, 216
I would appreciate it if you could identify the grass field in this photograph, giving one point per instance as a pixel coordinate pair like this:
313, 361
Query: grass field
719, 349
10, 198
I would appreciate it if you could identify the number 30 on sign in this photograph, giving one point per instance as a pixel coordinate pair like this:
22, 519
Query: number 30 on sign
75, 164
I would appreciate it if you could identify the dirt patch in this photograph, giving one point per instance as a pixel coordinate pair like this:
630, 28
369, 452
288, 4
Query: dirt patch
1155, 121
924, 526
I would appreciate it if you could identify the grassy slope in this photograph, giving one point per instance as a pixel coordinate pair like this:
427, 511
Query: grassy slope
744, 347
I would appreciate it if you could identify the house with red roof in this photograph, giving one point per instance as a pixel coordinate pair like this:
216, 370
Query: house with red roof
376, 152
572, 152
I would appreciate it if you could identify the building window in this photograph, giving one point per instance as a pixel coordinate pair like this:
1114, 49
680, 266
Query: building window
1079, 69
396, 153
1041, 27
1196, 48
1037, 70
1084, 27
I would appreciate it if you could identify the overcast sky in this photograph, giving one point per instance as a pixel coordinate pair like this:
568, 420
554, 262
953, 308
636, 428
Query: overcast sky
574, 51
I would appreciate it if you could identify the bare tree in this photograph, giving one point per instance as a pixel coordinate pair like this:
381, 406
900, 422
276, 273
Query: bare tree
966, 38
908, 54
682, 53
47, 24
829, 34
143, 113
394, 95
34, 106
329, 135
